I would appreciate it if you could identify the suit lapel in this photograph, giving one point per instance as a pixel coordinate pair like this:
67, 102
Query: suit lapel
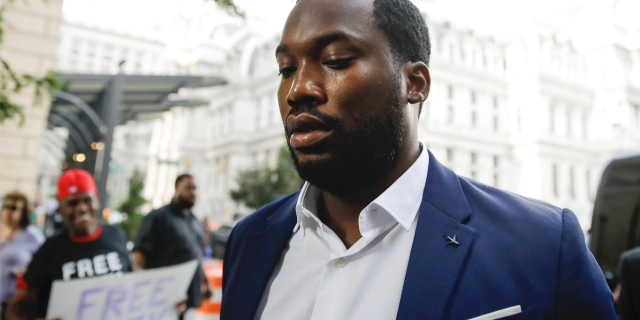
264, 251
434, 266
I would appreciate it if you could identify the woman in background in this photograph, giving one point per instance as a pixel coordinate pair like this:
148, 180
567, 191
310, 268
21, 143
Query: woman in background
18, 242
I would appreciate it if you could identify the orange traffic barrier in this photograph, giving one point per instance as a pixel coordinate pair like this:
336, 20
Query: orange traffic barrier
210, 309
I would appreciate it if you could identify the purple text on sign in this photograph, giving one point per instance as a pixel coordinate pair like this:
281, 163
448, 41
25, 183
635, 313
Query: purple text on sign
83, 302
115, 297
135, 296
158, 288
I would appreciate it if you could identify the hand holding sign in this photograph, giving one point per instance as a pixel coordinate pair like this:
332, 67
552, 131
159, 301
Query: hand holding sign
145, 295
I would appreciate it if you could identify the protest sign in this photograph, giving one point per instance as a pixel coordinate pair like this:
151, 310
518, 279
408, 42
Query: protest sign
143, 295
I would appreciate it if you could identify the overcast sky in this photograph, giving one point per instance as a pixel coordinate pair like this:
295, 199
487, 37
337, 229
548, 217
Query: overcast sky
501, 18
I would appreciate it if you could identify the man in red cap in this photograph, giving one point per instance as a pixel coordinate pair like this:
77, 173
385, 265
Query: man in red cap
87, 249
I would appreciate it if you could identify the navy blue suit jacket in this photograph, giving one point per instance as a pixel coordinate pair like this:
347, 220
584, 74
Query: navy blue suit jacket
513, 251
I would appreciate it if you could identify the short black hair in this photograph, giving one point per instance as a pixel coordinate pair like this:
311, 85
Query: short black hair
404, 26
406, 29
182, 177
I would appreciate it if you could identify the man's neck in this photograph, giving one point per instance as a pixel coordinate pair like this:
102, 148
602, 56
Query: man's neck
89, 231
184, 211
341, 212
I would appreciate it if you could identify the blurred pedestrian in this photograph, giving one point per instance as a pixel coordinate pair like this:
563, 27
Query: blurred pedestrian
85, 249
53, 223
19, 240
381, 229
172, 235
628, 291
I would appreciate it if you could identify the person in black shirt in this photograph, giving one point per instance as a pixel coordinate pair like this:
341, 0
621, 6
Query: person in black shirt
172, 235
86, 249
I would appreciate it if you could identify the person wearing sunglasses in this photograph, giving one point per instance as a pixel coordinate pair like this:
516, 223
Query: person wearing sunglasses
18, 242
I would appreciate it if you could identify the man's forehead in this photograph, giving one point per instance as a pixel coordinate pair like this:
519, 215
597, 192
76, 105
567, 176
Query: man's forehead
314, 18
79, 196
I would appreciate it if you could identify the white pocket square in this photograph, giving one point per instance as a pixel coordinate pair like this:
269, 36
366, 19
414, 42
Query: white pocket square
499, 314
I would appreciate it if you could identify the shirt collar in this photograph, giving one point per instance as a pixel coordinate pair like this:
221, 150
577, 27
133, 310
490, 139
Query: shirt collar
399, 203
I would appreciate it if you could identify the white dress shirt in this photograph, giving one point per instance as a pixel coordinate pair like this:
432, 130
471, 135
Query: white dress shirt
318, 278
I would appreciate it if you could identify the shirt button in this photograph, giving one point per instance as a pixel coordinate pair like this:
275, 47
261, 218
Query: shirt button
306, 213
340, 263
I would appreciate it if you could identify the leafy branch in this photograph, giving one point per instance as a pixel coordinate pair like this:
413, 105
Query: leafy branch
230, 7
13, 83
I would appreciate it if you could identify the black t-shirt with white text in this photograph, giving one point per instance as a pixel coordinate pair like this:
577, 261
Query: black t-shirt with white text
63, 257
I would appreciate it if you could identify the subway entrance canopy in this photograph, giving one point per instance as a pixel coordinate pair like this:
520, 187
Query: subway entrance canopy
91, 105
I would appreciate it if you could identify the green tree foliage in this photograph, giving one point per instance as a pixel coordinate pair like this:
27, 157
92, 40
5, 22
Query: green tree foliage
13, 83
260, 186
230, 7
130, 207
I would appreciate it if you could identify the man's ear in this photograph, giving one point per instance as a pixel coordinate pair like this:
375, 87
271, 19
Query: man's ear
418, 81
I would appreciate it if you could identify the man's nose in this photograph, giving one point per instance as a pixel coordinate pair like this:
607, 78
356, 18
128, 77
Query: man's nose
82, 207
307, 87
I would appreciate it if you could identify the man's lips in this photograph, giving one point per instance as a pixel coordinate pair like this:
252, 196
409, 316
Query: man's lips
306, 130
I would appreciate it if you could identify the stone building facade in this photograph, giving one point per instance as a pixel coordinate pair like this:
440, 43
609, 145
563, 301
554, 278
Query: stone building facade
29, 45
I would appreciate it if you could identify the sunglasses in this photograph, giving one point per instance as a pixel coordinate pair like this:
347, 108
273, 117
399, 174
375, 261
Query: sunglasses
11, 208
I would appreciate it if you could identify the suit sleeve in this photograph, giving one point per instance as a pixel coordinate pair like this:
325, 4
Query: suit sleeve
627, 302
582, 292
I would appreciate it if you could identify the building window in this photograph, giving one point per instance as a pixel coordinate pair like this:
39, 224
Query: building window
449, 154
450, 115
636, 109
552, 119
90, 56
473, 97
519, 115
571, 184
124, 54
495, 180
554, 180
138, 64
473, 119
230, 119
474, 158
258, 113
450, 92
74, 56
496, 161
569, 123
495, 103
107, 56
495, 123
474, 175
585, 126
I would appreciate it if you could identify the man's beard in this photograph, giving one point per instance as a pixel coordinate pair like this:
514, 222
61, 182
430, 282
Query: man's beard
362, 156
184, 203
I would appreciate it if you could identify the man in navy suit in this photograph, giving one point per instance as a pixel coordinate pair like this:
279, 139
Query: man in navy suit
381, 230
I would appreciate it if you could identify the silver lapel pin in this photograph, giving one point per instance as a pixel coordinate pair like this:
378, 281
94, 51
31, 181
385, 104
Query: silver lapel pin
452, 240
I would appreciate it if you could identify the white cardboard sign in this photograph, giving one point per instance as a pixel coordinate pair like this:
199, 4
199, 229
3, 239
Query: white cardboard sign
142, 295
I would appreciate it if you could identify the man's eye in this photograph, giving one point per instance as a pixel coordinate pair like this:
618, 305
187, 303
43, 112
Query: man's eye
287, 72
338, 63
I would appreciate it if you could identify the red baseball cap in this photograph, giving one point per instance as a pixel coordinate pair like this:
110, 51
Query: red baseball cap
75, 181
